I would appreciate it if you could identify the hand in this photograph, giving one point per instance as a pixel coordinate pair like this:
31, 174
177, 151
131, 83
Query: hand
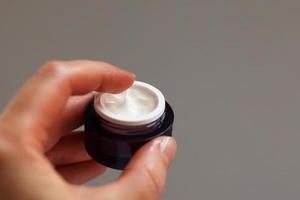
41, 157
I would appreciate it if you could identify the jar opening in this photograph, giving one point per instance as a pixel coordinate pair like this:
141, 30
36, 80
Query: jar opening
140, 104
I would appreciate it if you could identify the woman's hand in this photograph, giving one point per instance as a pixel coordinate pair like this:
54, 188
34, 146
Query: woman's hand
42, 158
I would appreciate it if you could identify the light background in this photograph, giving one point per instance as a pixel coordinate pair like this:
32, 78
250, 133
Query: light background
230, 69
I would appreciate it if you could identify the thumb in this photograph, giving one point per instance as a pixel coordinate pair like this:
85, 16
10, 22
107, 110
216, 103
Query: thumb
144, 177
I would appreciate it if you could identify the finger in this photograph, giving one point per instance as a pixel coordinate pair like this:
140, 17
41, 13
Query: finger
70, 149
144, 177
43, 97
82, 172
148, 169
72, 116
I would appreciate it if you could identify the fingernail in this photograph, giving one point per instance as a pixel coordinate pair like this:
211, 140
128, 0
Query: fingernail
168, 147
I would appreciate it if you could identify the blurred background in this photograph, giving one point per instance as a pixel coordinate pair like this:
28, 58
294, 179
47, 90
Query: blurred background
230, 69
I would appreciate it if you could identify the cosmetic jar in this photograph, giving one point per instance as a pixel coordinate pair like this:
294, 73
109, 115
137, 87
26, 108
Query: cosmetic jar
117, 125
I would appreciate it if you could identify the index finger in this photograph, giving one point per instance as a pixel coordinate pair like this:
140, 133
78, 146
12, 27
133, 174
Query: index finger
43, 97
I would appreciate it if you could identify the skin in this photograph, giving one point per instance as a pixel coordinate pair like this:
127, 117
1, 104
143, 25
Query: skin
41, 157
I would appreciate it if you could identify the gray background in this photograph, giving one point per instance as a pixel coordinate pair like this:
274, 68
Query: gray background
230, 69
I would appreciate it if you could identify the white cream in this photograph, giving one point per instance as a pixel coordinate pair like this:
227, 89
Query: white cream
140, 104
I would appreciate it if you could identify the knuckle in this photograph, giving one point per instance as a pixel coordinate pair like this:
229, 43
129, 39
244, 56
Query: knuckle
52, 67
